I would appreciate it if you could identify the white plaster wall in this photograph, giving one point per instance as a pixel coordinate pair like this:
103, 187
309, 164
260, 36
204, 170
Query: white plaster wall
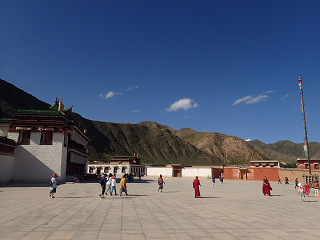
64, 154
156, 171
14, 136
192, 172
4, 130
37, 163
6, 168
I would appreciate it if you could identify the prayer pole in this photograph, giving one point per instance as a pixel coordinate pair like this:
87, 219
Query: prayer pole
306, 145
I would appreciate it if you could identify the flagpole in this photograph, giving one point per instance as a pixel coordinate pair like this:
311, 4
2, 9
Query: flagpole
306, 144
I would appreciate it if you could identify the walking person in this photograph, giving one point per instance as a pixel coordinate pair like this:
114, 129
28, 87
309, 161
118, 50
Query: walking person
296, 183
266, 188
196, 184
160, 183
279, 180
108, 180
113, 185
213, 180
53, 185
221, 178
301, 192
307, 189
316, 189
103, 185
123, 185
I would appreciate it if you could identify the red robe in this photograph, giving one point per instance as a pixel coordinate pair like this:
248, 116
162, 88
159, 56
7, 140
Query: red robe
307, 189
266, 188
196, 184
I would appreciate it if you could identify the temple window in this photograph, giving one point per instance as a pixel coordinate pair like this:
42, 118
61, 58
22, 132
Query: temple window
24, 137
46, 138
106, 169
316, 166
123, 169
91, 170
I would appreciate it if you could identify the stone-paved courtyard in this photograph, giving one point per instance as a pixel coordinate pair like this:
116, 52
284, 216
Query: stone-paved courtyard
236, 209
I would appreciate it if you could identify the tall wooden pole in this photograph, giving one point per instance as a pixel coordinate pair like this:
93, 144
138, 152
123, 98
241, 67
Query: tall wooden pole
306, 144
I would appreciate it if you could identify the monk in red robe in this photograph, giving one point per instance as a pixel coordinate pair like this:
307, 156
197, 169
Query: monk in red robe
196, 184
266, 188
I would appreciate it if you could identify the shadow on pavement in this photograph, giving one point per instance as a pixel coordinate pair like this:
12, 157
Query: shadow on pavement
208, 197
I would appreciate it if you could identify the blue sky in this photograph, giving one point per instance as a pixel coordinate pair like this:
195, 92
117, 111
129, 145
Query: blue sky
214, 66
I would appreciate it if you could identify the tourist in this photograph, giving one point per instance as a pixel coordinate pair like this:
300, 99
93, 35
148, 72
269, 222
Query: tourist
286, 180
139, 176
113, 185
295, 183
123, 185
307, 189
266, 188
213, 180
160, 183
53, 185
221, 178
301, 192
196, 184
279, 180
316, 189
103, 185
108, 180
74, 177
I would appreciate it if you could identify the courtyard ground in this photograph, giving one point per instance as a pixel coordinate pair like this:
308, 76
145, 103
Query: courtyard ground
236, 209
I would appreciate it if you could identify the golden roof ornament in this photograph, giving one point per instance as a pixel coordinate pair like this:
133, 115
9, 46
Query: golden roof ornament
60, 105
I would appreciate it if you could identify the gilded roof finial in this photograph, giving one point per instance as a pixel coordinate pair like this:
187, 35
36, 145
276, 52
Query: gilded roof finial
60, 105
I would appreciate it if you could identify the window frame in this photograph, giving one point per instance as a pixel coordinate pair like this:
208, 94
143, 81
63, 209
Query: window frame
44, 139
24, 137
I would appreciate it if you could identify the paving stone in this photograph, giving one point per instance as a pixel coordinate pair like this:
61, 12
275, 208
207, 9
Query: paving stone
232, 210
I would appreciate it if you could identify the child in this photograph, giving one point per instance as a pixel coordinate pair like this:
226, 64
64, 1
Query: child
301, 192
53, 185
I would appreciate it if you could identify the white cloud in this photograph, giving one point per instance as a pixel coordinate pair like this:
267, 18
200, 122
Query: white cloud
250, 100
257, 99
242, 100
130, 88
271, 91
100, 95
248, 140
109, 94
136, 111
287, 95
184, 103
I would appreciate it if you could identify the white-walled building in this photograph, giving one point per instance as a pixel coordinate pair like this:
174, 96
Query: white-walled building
47, 141
118, 166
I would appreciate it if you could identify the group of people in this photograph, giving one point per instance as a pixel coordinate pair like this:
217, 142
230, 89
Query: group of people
304, 191
214, 180
110, 182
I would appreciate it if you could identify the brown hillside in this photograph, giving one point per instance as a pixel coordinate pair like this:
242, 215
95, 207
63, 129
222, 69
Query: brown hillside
232, 150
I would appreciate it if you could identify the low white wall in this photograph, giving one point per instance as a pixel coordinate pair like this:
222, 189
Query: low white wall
6, 168
156, 171
192, 172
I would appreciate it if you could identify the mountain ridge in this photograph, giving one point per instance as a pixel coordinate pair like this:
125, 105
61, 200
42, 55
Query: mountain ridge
160, 144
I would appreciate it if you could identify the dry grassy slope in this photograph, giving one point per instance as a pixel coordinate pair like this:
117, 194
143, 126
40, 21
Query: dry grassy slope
232, 149
154, 143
